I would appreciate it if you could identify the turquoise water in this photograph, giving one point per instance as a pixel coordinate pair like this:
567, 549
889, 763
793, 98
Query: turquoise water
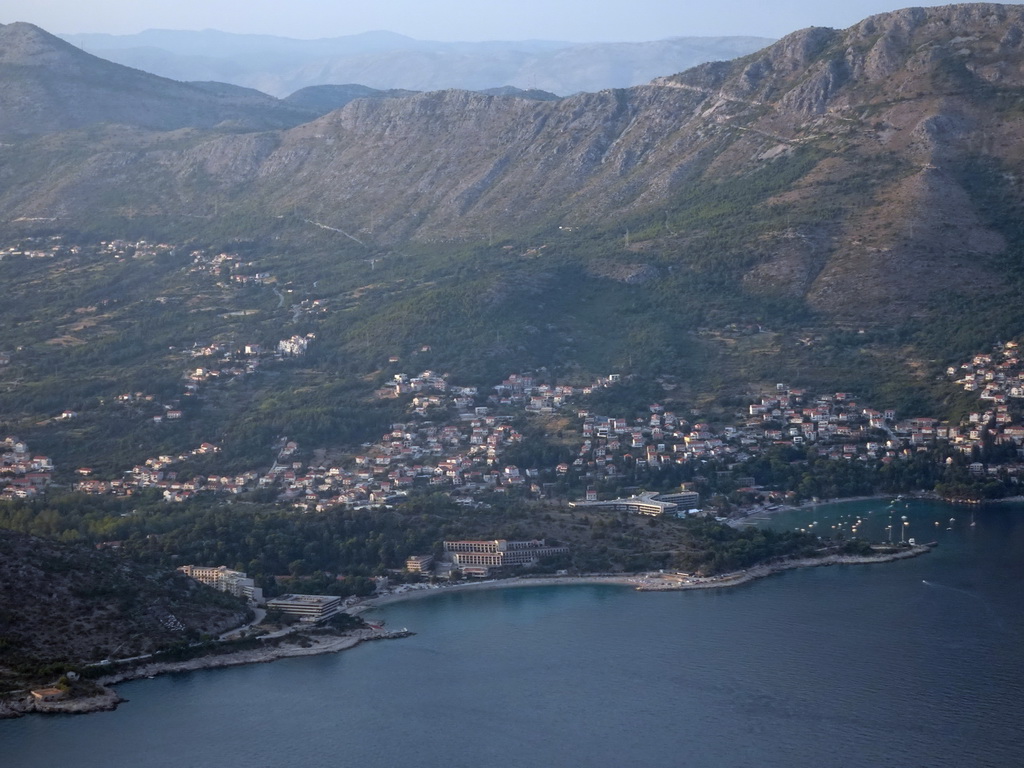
915, 663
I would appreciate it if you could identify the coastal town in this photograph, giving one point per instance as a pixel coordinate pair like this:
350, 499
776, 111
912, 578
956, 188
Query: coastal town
455, 438
652, 376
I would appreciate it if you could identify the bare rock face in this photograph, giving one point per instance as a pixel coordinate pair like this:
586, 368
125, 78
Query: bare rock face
813, 96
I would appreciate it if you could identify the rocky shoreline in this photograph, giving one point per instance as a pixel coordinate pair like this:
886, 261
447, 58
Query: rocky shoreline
107, 698
24, 704
672, 583
314, 644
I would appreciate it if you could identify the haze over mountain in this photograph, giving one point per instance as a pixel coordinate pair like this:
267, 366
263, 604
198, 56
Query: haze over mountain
384, 60
49, 85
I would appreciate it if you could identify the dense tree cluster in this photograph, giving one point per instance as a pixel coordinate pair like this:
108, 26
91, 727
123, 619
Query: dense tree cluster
263, 541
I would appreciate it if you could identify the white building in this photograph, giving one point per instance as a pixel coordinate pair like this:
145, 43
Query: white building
478, 557
306, 608
644, 504
226, 580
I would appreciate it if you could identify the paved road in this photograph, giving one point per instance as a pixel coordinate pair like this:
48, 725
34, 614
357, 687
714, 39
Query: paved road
259, 614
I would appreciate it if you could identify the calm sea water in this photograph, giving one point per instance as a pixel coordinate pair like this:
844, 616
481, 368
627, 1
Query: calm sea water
916, 663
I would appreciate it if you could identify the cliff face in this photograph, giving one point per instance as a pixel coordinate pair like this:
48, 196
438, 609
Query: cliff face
910, 117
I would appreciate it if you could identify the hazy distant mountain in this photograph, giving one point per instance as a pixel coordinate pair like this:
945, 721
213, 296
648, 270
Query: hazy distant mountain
384, 60
49, 85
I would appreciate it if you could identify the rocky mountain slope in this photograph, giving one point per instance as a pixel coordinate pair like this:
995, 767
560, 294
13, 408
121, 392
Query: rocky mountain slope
322, 99
874, 150
386, 60
327, 98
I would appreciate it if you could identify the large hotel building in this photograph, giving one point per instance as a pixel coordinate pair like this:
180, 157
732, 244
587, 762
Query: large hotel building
478, 557
306, 608
652, 504
226, 580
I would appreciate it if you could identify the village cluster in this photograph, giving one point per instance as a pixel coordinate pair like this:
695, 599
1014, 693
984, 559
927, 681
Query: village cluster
240, 361
220, 363
215, 361
998, 378
22, 475
455, 436
54, 245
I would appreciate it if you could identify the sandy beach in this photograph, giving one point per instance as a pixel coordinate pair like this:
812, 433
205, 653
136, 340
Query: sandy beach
476, 586
648, 582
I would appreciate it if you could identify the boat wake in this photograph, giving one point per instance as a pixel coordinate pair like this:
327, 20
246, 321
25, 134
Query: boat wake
951, 589
974, 596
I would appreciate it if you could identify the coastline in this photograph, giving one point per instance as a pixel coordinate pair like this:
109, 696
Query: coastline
649, 582
735, 578
645, 582
750, 516
108, 699
310, 645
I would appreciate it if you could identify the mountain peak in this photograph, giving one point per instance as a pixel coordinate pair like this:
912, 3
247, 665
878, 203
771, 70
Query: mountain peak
25, 44
912, 52
50, 85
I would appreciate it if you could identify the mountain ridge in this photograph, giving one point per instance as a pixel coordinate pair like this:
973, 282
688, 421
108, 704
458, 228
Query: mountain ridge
869, 135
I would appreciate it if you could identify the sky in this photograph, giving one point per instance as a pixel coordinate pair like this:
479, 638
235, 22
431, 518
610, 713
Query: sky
448, 20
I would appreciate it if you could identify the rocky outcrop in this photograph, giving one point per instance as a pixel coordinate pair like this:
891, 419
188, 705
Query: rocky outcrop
104, 700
